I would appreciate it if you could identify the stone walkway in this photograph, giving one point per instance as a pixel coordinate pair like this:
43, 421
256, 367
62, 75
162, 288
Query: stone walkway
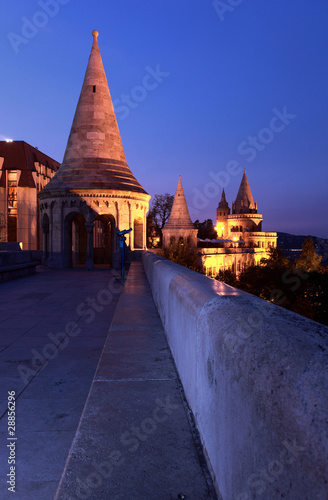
34, 314
134, 440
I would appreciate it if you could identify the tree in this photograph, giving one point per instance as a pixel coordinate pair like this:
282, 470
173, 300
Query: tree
276, 259
205, 229
227, 276
152, 235
259, 280
160, 211
308, 260
185, 255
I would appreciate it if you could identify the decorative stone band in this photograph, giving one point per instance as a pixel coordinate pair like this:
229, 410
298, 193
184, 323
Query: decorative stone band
94, 173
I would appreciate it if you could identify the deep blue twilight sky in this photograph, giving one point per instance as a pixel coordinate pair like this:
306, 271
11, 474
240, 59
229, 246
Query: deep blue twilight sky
227, 75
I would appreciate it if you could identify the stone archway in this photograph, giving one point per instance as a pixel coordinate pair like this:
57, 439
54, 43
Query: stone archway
103, 239
75, 240
138, 233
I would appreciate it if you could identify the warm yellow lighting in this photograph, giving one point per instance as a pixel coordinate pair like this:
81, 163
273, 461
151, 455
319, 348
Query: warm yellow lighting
9, 140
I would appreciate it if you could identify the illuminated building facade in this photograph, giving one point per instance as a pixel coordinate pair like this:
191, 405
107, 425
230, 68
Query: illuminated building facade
24, 171
241, 241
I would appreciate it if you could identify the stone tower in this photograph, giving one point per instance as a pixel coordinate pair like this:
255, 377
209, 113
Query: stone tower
222, 213
244, 220
179, 225
94, 193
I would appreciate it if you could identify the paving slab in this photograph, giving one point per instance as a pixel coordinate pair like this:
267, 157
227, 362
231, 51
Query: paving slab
55, 372
136, 439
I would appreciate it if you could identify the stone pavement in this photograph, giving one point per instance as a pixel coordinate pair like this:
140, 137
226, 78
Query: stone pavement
49, 402
135, 439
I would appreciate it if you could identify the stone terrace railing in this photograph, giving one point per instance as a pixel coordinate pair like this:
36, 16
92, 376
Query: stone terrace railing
256, 379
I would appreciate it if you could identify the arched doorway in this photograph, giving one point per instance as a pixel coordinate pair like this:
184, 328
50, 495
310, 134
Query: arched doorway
75, 241
103, 239
138, 233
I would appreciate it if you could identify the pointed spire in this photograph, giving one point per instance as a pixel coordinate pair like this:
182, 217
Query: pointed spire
179, 217
244, 203
94, 155
95, 133
223, 203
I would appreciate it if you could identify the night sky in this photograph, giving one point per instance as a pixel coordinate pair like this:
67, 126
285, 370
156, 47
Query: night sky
238, 84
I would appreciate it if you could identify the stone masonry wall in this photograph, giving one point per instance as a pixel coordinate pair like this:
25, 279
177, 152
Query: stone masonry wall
256, 379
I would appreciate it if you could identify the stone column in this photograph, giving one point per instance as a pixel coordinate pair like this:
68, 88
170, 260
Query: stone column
130, 242
89, 262
51, 220
45, 250
117, 216
144, 232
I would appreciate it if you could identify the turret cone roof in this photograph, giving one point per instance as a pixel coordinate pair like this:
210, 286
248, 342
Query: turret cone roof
94, 156
223, 203
179, 216
244, 202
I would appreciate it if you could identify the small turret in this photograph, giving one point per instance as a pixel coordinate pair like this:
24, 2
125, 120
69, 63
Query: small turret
179, 224
223, 203
244, 203
222, 213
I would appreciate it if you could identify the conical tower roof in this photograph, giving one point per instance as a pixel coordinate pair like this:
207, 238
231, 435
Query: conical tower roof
94, 156
179, 216
223, 203
244, 203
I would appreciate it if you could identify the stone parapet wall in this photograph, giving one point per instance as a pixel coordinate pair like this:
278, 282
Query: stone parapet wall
256, 379
17, 264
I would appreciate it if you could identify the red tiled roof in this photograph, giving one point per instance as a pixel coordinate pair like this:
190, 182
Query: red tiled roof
19, 155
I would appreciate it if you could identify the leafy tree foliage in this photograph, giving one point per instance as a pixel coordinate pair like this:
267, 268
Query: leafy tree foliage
302, 288
276, 259
227, 276
151, 231
308, 260
205, 229
185, 255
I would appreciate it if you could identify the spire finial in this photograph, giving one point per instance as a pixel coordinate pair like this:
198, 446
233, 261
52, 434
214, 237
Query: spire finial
95, 33
244, 170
